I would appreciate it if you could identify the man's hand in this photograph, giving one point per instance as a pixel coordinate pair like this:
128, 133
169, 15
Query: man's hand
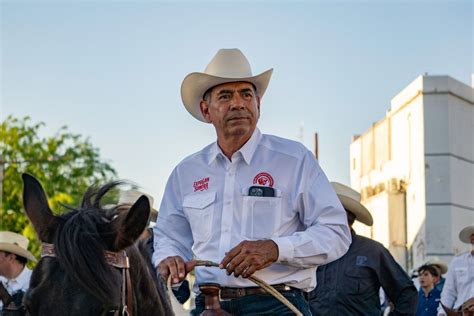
176, 267
249, 256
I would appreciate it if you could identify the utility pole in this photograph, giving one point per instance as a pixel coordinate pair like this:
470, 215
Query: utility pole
316, 146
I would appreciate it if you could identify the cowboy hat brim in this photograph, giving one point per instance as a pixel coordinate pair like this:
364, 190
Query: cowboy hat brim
197, 83
361, 213
443, 268
17, 250
465, 234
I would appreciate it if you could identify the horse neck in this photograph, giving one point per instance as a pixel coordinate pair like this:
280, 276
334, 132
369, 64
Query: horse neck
149, 297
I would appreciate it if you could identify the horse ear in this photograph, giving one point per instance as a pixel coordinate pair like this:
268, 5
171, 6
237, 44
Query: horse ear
133, 223
37, 208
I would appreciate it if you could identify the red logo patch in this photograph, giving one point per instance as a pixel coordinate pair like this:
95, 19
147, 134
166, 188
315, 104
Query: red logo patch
263, 178
201, 185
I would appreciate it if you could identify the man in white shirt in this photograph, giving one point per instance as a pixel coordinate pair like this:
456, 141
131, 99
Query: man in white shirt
14, 254
459, 285
255, 203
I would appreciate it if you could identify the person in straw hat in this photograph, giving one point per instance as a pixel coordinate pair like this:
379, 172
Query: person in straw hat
442, 268
128, 197
459, 285
350, 285
255, 203
14, 254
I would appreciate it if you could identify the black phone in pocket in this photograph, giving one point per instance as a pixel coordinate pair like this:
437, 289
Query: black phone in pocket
256, 190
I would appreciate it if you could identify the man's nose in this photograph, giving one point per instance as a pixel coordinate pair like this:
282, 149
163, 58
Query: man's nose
237, 102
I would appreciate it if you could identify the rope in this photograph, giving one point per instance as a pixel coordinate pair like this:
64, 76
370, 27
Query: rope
267, 287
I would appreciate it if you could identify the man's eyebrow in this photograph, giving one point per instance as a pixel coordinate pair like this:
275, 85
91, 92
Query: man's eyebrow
225, 91
245, 90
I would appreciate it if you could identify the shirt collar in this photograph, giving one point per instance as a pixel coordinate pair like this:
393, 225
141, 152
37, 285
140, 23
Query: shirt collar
22, 279
247, 150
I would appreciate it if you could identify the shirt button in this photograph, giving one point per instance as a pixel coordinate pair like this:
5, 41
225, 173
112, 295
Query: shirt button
227, 203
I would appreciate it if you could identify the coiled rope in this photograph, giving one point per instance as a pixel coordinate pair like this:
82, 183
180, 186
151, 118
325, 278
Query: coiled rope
267, 287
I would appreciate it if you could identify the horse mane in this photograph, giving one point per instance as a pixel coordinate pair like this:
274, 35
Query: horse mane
80, 245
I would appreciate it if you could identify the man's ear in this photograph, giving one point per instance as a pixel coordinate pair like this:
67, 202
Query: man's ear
204, 105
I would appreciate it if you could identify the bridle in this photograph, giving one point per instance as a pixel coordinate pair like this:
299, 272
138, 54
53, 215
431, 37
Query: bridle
117, 260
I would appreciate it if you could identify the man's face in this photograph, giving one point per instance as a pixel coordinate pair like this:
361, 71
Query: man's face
472, 239
5, 262
426, 279
233, 108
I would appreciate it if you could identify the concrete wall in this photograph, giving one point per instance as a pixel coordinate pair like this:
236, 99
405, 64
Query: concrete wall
449, 154
430, 138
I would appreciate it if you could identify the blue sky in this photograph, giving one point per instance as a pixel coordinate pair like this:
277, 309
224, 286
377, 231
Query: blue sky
112, 70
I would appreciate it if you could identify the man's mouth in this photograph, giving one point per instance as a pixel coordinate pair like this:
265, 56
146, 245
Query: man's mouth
237, 118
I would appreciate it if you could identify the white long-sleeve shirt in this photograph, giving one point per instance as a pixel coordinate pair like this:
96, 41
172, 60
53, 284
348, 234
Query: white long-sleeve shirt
459, 285
206, 211
20, 283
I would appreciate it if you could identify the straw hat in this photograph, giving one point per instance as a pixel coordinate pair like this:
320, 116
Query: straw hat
129, 197
228, 65
465, 234
15, 243
443, 267
350, 199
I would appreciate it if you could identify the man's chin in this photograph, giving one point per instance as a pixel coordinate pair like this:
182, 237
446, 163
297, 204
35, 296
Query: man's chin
238, 131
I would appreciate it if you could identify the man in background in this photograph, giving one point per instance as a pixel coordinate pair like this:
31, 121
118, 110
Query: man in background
14, 275
459, 285
350, 285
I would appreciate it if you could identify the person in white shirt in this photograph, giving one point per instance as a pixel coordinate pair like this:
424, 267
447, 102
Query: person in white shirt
459, 285
14, 254
255, 203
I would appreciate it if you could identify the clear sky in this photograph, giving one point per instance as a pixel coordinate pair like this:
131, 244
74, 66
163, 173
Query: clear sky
112, 70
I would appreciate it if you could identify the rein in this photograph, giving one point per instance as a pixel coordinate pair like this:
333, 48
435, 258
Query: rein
117, 260
267, 287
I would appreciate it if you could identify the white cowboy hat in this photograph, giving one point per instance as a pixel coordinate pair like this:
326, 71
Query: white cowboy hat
129, 197
15, 243
465, 234
350, 199
228, 65
443, 267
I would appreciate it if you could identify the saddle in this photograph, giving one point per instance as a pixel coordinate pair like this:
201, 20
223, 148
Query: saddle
466, 309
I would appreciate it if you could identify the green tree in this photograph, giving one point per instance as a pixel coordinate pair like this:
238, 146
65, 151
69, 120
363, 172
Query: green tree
66, 164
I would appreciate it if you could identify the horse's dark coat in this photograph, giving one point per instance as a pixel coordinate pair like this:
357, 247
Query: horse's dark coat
79, 281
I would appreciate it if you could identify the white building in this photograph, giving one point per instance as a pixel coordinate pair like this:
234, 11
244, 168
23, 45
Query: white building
415, 171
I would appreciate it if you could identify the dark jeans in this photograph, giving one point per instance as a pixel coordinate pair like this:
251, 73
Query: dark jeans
259, 304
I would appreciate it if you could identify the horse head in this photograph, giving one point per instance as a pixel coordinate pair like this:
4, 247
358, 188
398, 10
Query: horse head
78, 279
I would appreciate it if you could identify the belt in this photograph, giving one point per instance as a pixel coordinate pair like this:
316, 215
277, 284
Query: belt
228, 293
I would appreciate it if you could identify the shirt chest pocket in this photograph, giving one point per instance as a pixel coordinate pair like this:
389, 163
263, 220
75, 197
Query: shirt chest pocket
461, 273
358, 279
261, 216
199, 209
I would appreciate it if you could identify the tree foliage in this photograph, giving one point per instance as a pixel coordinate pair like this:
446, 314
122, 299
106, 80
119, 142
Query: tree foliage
65, 163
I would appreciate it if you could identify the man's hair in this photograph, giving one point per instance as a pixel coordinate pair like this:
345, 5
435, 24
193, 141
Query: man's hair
207, 95
21, 259
18, 258
428, 268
